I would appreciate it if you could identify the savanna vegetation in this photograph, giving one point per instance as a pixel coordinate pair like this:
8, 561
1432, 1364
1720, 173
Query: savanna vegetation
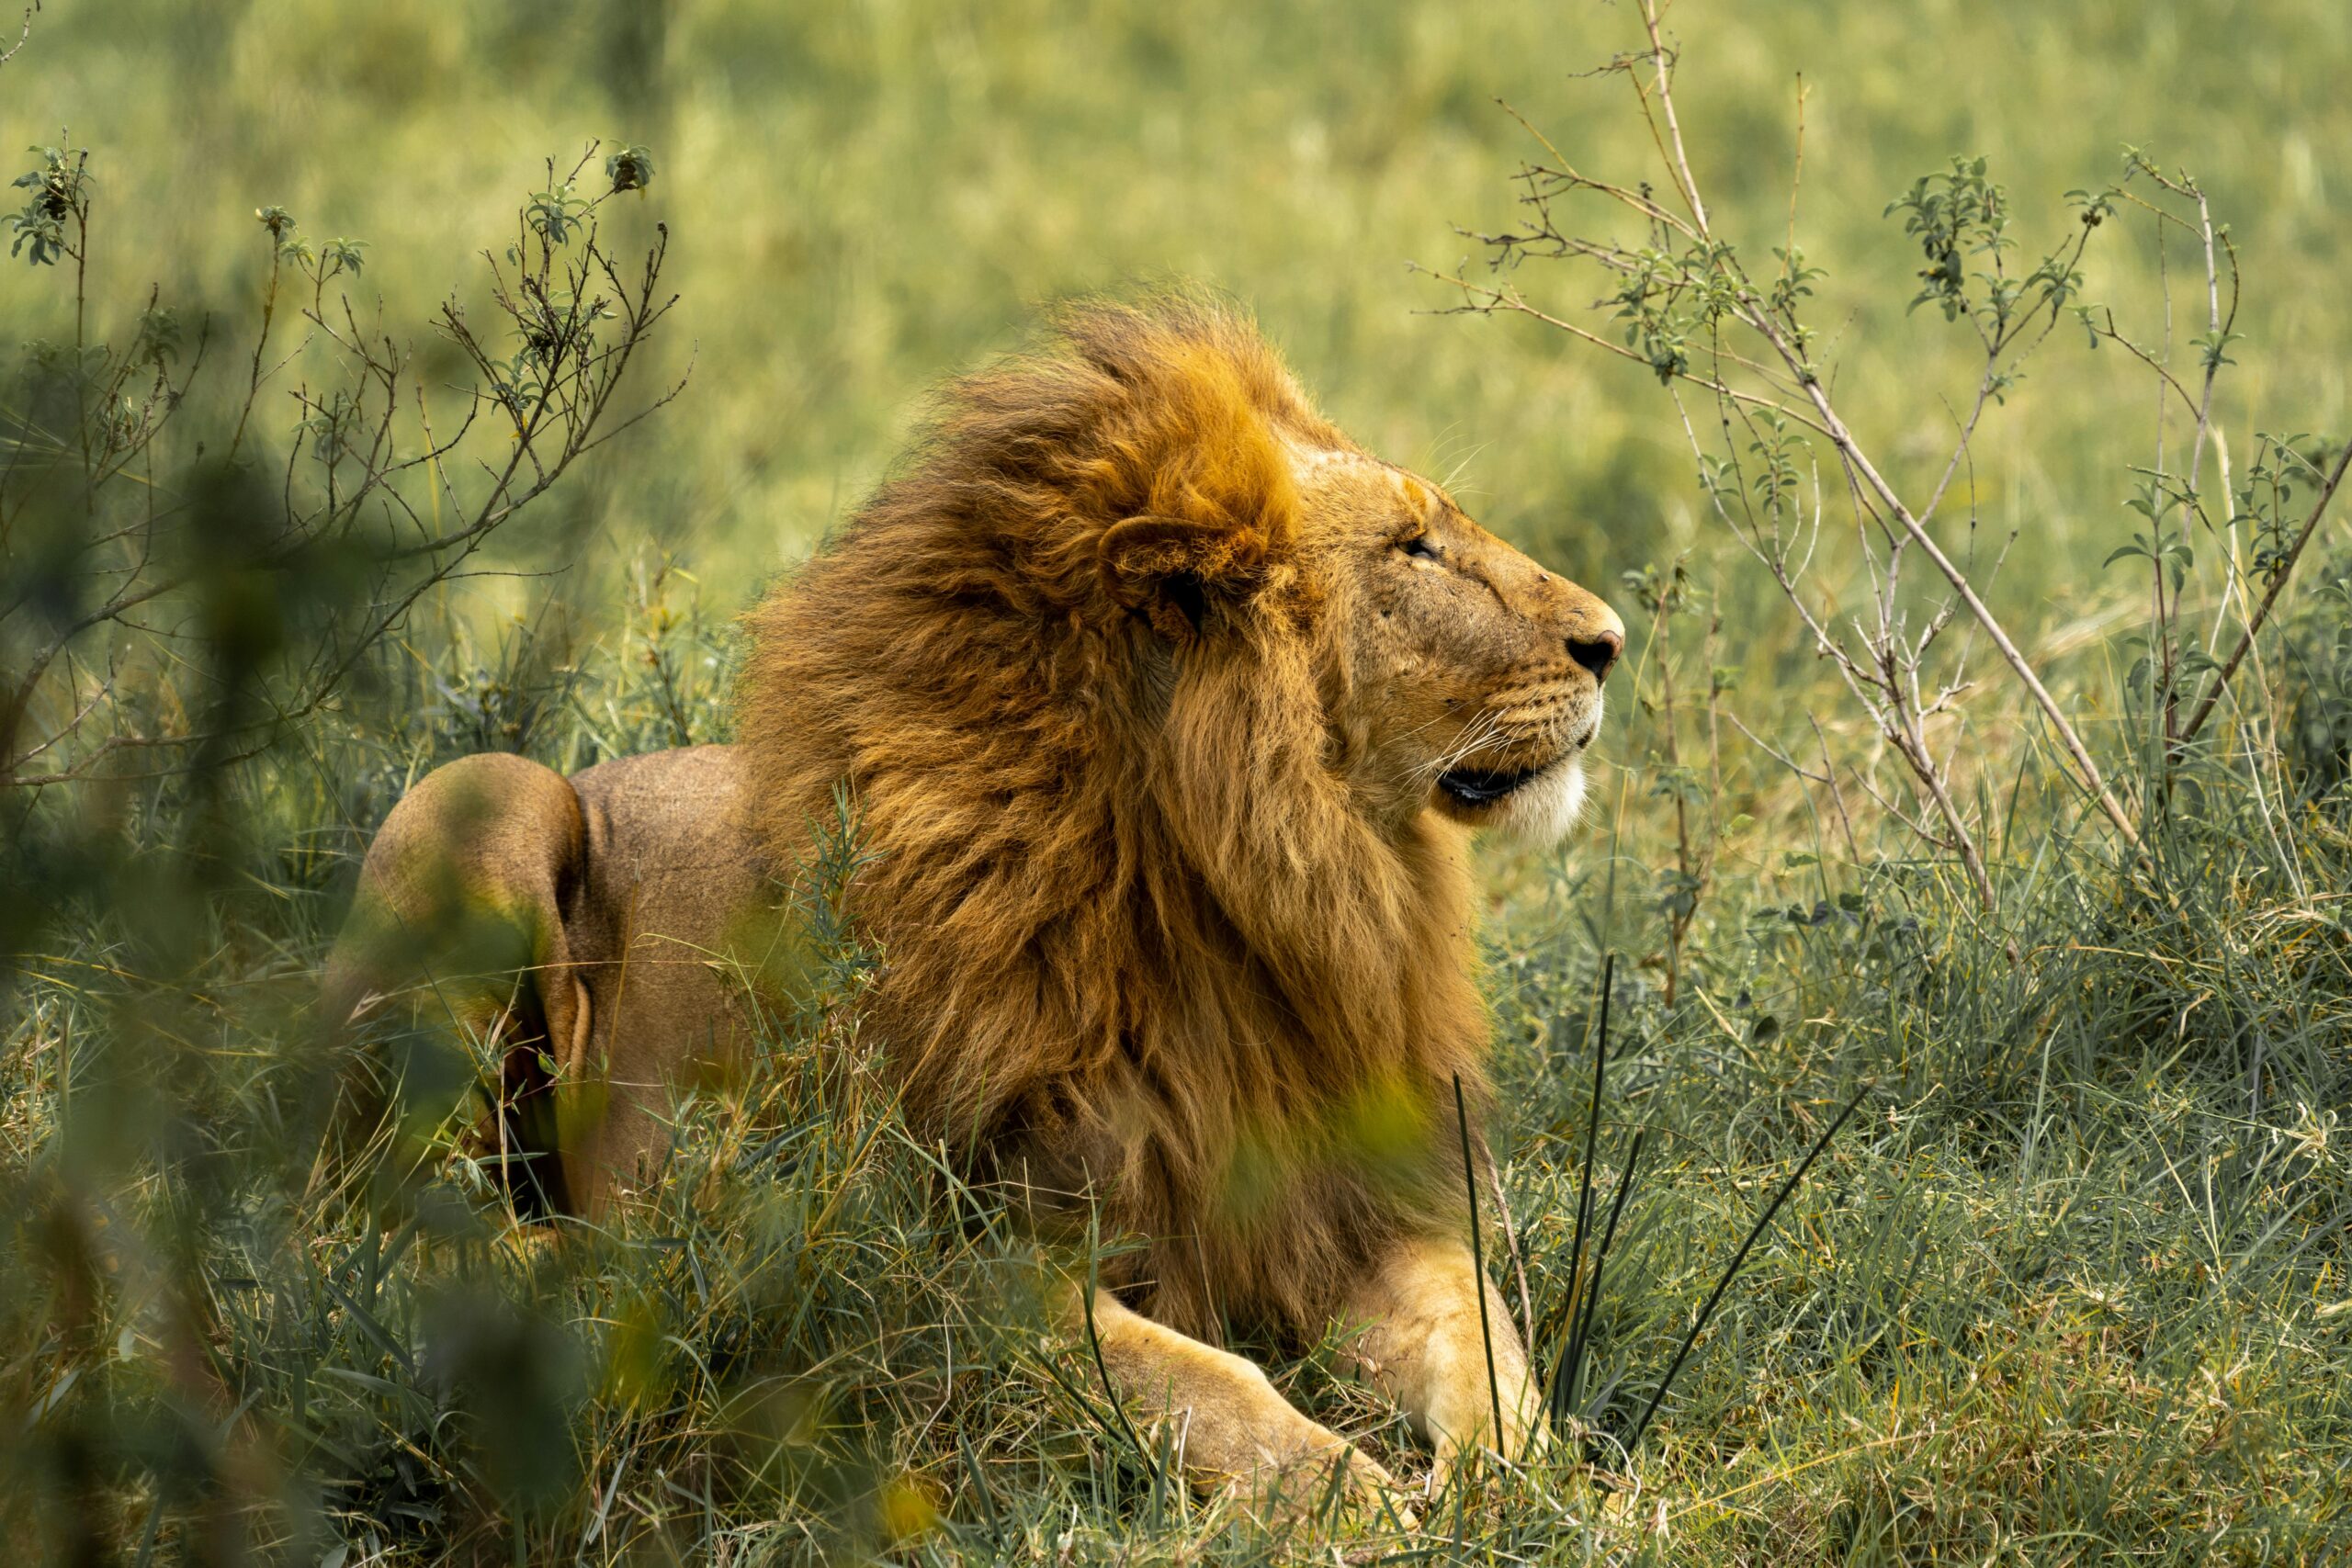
390, 383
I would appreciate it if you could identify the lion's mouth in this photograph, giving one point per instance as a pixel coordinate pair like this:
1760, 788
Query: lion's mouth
1484, 786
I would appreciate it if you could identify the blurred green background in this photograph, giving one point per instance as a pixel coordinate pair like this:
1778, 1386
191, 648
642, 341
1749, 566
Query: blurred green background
866, 196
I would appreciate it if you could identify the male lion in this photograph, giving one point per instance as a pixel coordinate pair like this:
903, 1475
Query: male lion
1166, 709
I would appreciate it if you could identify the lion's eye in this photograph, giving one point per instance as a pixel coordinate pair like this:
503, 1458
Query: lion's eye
1419, 547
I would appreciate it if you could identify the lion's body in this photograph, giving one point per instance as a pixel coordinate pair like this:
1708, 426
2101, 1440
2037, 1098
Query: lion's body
1113, 957
1163, 708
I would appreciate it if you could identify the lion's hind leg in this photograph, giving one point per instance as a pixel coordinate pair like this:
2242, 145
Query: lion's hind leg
1231, 1431
460, 922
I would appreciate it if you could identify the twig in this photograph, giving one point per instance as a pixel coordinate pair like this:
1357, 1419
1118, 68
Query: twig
2279, 576
1837, 796
1506, 300
1775, 752
1662, 58
23, 34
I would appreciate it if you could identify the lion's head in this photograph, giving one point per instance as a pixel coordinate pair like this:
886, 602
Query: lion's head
1165, 705
1473, 675
1455, 674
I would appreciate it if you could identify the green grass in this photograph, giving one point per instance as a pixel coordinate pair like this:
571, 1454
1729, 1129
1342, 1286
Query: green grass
2070, 1288
2075, 1284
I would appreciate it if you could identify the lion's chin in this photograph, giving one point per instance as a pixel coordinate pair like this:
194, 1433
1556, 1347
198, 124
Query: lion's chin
1536, 808
1542, 811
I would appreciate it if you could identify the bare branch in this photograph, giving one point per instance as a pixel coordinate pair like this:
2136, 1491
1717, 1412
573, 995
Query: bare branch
1485, 301
1775, 754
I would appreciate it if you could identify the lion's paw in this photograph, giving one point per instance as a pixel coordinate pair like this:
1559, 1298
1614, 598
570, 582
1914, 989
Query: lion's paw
1334, 1484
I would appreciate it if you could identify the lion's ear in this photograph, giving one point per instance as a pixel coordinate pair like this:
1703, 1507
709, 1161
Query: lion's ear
1175, 572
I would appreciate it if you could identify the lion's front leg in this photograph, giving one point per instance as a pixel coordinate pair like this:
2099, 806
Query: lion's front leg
1233, 1432
1414, 1334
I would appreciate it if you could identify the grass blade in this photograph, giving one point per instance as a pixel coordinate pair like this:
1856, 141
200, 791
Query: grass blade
1633, 1442
1581, 1344
1563, 1376
1479, 1261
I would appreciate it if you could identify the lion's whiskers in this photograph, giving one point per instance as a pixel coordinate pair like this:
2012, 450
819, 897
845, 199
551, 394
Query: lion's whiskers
1483, 729
1491, 724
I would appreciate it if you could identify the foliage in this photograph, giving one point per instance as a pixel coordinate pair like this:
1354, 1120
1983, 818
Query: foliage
119, 545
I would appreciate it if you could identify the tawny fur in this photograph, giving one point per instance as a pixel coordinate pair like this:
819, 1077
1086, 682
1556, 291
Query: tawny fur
1166, 711
1142, 942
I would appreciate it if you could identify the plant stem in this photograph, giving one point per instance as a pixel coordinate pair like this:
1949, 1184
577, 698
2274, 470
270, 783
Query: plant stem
2279, 576
1750, 312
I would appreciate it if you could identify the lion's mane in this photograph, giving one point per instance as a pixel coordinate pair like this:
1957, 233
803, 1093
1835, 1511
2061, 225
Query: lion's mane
1075, 665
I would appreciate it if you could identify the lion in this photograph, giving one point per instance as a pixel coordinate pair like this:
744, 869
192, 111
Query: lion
1167, 711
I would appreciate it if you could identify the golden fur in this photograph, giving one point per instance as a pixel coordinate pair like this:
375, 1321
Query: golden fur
1086, 672
1165, 709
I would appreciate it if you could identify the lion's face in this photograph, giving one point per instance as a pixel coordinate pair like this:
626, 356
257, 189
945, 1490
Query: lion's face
1466, 678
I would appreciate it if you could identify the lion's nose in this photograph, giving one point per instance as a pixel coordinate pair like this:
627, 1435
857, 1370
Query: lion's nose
1598, 651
